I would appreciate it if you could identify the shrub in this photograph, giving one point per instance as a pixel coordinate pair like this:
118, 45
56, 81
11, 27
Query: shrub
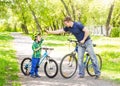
115, 32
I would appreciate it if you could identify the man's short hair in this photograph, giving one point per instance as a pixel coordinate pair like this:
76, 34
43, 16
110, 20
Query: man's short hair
68, 18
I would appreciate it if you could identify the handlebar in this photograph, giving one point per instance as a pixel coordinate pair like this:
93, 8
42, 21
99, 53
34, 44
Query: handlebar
75, 41
47, 48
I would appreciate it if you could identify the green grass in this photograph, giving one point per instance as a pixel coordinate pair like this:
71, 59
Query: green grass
109, 49
8, 63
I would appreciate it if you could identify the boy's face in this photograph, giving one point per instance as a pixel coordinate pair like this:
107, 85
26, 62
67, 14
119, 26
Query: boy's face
38, 38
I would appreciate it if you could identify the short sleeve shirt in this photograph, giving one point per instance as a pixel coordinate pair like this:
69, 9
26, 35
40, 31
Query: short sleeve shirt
77, 31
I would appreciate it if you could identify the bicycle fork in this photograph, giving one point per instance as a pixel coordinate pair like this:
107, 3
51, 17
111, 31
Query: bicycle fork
71, 60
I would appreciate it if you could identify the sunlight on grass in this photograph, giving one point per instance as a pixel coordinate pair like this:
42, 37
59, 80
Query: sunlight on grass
8, 62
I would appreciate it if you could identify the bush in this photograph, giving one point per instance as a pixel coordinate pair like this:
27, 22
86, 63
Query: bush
115, 32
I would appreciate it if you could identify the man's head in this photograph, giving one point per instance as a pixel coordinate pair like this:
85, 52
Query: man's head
68, 21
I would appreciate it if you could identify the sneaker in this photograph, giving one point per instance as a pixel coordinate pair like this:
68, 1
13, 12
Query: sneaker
80, 76
38, 76
33, 76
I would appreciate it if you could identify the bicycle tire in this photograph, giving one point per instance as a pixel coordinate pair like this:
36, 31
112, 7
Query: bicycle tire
89, 66
63, 64
46, 67
26, 66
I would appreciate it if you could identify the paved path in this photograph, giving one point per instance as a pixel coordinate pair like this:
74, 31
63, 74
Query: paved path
22, 45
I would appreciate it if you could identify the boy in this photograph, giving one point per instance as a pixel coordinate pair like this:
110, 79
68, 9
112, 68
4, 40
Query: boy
36, 56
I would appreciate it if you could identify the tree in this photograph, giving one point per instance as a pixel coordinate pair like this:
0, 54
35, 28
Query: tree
109, 19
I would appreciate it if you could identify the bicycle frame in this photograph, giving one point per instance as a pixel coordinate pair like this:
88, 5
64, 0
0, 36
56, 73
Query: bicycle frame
45, 55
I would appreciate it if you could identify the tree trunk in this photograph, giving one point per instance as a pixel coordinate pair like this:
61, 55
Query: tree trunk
24, 28
66, 8
15, 28
63, 13
35, 18
23, 25
73, 10
109, 19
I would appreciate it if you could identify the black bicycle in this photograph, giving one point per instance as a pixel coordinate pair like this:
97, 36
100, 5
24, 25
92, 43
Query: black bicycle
69, 63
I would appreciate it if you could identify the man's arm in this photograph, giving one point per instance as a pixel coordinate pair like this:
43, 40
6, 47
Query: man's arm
56, 31
86, 31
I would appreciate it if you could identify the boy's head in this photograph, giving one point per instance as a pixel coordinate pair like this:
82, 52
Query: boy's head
67, 21
37, 38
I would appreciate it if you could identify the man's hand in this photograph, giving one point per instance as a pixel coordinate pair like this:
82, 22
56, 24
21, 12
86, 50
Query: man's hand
46, 31
55, 31
82, 41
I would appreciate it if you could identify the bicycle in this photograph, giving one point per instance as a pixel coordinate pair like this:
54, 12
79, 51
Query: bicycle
50, 66
68, 64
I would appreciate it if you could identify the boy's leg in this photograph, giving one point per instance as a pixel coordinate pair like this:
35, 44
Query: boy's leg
37, 64
34, 61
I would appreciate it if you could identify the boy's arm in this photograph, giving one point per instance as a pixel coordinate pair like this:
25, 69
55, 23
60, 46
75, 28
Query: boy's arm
56, 31
34, 48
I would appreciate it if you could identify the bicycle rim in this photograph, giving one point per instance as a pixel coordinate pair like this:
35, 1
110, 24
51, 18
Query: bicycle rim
26, 66
51, 68
90, 68
68, 66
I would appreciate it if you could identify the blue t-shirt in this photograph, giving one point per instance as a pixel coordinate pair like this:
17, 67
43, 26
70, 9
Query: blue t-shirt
77, 31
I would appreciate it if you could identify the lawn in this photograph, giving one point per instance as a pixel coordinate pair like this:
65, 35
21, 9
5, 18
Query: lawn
8, 62
109, 49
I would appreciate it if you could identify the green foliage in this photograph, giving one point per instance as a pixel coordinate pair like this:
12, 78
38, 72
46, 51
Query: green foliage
115, 32
8, 62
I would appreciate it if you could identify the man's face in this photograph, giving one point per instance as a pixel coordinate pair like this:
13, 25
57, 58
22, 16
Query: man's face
67, 23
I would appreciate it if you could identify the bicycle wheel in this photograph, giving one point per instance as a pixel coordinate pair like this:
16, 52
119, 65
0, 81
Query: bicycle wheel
89, 66
51, 68
68, 66
26, 66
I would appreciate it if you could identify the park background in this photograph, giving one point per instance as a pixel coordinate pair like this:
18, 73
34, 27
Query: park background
101, 17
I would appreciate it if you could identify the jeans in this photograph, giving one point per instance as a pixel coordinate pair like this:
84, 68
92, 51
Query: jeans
81, 50
35, 63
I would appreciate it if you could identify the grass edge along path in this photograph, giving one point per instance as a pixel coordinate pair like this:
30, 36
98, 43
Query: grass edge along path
8, 62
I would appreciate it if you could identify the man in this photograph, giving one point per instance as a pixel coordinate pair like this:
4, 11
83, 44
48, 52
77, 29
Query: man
82, 35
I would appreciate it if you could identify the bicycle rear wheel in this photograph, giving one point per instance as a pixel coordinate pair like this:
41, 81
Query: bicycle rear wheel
68, 66
89, 66
51, 68
26, 66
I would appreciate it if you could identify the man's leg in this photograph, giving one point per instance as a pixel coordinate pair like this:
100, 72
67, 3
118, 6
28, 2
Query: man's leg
81, 52
90, 50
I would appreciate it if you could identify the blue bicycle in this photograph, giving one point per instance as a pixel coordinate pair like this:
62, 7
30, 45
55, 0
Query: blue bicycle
69, 63
50, 66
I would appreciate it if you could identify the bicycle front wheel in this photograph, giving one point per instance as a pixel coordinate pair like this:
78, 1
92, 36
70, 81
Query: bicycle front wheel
68, 66
89, 67
51, 68
26, 66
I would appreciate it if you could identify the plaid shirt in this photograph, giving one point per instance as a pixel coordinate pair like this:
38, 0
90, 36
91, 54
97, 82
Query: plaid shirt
36, 54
